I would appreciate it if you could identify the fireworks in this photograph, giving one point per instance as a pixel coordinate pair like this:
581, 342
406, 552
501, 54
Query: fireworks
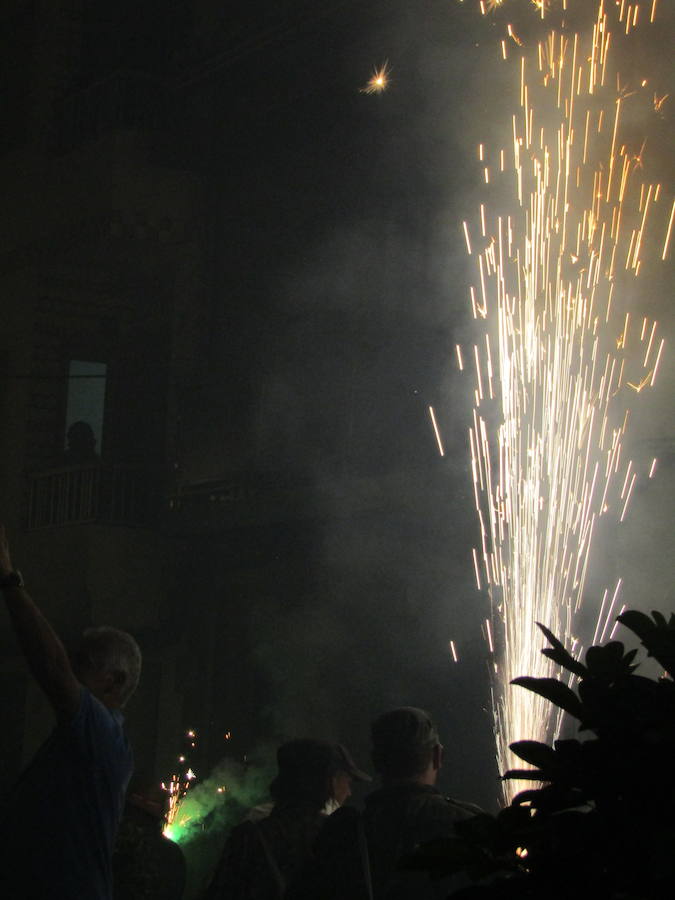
177, 788
379, 81
558, 265
439, 442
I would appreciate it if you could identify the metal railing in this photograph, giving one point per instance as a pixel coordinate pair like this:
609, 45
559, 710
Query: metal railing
111, 494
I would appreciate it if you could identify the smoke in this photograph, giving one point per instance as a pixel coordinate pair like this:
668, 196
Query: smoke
216, 803
364, 319
211, 808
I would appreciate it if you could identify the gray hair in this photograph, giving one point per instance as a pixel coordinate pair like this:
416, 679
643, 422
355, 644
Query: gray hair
109, 650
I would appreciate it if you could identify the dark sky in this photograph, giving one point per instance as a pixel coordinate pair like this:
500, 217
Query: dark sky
338, 223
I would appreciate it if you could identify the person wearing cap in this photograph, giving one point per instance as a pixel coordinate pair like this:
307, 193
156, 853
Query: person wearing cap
263, 855
356, 855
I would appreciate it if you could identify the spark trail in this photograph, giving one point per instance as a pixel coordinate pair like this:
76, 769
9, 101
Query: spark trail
565, 350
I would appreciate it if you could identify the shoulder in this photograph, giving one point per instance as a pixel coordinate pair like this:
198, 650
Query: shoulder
342, 822
94, 716
242, 854
99, 734
240, 840
463, 809
291, 831
243, 832
443, 813
432, 809
333, 868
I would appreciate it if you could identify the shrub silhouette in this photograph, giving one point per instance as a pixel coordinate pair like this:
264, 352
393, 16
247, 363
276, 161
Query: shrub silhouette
603, 822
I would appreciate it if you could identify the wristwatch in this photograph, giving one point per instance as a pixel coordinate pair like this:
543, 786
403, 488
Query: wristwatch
11, 580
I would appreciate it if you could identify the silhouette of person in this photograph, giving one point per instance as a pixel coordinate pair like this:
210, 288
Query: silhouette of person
261, 857
81, 445
58, 822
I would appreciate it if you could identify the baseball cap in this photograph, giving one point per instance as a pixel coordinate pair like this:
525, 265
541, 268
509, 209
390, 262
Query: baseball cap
307, 757
400, 733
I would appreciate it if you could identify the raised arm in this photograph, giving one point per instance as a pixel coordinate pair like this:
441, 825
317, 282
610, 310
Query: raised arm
41, 646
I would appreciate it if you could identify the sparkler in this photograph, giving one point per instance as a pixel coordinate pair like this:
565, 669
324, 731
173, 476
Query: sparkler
558, 266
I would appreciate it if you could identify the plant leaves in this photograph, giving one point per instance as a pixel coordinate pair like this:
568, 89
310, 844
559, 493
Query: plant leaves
550, 798
559, 654
657, 635
638, 622
526, 775
534, 752
608, 663
553, 690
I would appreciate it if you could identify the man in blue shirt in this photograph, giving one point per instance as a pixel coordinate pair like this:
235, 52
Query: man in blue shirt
58, 822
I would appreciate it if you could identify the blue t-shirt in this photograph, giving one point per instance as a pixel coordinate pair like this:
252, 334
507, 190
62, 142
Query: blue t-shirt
58, 822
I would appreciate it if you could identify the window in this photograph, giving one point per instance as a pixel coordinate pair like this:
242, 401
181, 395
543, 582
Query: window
86, 397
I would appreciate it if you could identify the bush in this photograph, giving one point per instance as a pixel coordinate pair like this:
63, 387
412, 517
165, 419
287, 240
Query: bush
601, 824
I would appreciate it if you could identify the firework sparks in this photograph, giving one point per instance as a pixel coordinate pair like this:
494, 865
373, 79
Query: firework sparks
436, 431
552, 274
379, 80
658, 103
178, 786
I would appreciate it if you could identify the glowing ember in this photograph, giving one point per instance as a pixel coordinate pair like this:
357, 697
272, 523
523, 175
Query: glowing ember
379, 80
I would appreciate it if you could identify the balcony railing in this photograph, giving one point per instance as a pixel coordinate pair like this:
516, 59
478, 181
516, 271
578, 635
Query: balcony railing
109, 494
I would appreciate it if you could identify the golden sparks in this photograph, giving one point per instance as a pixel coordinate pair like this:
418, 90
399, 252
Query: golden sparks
574, 218
379, 80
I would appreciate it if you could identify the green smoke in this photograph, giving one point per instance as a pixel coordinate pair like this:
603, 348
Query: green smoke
220, 801
210, 809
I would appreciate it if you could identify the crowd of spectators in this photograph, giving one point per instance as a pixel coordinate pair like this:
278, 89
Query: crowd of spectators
75, 826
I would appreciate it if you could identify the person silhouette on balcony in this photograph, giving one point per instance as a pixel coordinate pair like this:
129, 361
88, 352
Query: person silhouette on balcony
81, 490
81, 449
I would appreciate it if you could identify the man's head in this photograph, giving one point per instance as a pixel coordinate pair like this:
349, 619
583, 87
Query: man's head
108, 662
314, 772
406, 746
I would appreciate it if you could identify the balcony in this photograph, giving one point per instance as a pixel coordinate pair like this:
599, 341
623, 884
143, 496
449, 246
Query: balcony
107, 494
